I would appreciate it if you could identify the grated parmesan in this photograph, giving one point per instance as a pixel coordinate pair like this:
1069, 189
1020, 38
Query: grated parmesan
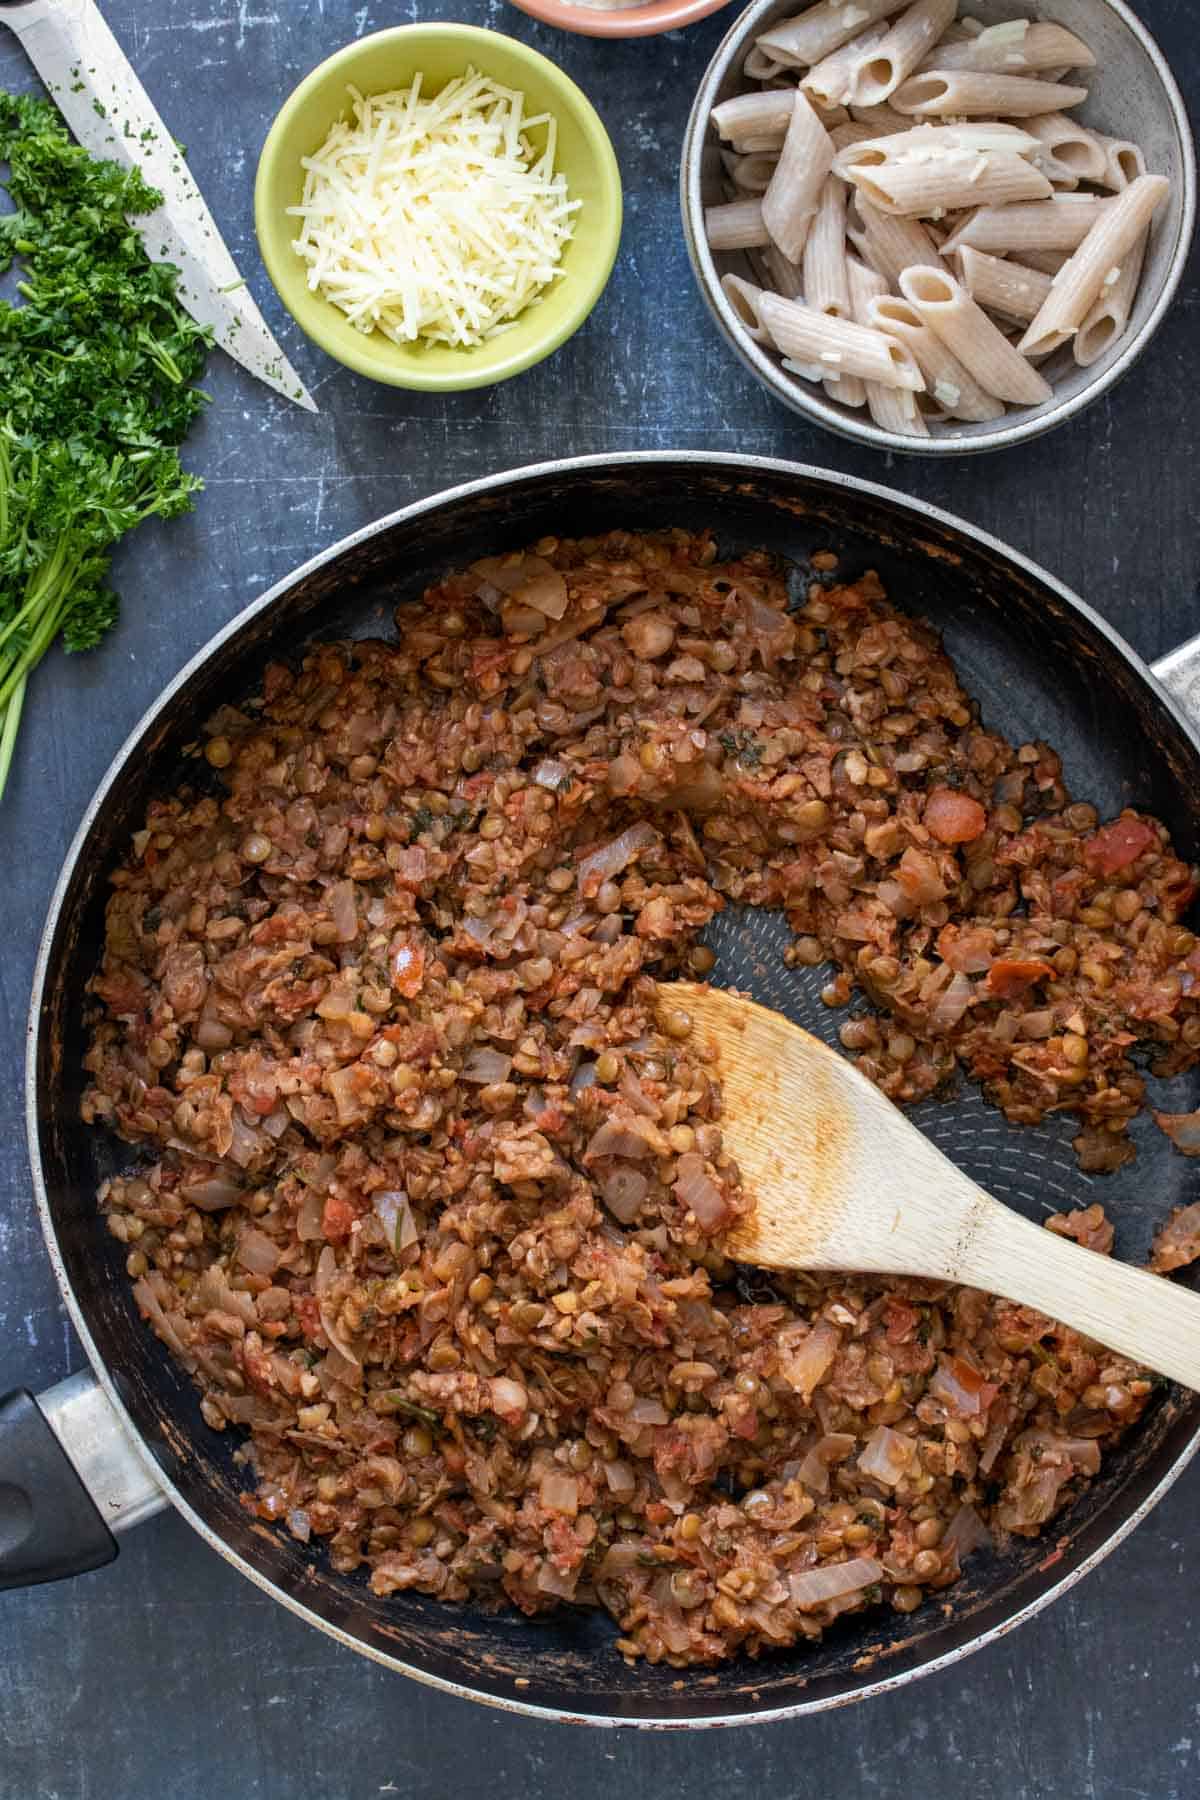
435, 219
1009, 31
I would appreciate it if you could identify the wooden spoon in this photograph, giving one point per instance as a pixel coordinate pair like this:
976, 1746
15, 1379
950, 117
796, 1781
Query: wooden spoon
841, 1180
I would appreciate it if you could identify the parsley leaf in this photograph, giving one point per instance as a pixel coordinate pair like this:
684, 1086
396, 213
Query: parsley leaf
96, 365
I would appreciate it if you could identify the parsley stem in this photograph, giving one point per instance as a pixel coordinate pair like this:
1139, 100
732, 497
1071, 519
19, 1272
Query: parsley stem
8, 735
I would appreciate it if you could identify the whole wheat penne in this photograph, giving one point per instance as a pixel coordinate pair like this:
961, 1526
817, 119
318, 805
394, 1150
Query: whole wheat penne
947, 382
823, 264
1123, 162
891, 244
885, 119
949, 311
755, 115
743, 297
1060, 223
786, 277
1015, 47
823, 275
807, 371
1069, 152
875, 74
1047, 262
893, 409
1079, 282
803, 41
804, 162
948, 182
761, 66
964, 93
1003, 287
738, 225
920, 143
1108, 316
752, 174
837, 346
843, 136
828, 82
768, 143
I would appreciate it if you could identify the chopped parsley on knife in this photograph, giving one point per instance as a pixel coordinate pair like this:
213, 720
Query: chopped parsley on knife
97, 361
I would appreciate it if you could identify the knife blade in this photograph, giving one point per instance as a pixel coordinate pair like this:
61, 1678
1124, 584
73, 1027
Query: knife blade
100, 97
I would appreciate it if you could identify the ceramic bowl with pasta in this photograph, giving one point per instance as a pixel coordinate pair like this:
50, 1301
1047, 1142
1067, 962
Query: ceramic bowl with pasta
933, 225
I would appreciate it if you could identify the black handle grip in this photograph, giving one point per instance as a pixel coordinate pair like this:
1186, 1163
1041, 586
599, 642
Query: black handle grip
49, 1526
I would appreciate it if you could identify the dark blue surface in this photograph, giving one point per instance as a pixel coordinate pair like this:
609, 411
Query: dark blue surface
166, 1676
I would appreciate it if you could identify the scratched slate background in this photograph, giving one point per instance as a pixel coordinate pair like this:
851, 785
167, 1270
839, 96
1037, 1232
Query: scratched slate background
168, 1677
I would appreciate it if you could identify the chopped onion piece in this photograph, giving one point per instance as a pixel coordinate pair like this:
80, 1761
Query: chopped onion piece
812, 1587
886, 1456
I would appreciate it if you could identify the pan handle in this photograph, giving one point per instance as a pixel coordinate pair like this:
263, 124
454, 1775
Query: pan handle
1179, 672
69, 1478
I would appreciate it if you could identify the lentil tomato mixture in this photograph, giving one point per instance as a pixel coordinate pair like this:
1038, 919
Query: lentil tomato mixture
432, 1201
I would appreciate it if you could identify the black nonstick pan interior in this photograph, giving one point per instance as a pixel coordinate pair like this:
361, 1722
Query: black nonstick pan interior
1040, 667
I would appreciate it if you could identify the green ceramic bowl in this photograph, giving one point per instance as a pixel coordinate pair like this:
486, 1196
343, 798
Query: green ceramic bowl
390, 59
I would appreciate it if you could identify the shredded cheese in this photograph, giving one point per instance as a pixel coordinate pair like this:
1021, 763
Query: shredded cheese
435, 218
1009, 31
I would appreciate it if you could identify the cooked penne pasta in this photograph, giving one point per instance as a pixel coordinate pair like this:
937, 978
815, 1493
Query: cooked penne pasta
1004, 287
1123, 162
965, 329
828, 82
919, 142
755, 115
964, 93
803, 41
887, 243
823, 275
951, 385
884, 119
1015, 47
1079, 283
743, 297
769, 144
752, 174
953, 179
1109, 315
791, 199
875, 74
1060, 223
823, 264
893, 409
738, 225
786, 277
838, 347
759, 66
849, 133
1069, 153
1047, 262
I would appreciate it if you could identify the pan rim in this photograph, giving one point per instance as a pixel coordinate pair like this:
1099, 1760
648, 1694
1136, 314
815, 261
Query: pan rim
737, 466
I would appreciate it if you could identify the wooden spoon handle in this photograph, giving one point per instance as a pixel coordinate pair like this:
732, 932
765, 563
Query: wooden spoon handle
1145, 1317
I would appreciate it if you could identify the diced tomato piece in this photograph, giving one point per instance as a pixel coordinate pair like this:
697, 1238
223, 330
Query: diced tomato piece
408, 968
953, 818
308, 1312
337, 1218
1117, 845
967, 1375
1009, 979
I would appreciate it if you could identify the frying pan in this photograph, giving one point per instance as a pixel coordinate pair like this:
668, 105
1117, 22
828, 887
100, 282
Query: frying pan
130, 1435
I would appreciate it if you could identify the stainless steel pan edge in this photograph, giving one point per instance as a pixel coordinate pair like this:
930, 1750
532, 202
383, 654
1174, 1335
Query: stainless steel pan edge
87, 1412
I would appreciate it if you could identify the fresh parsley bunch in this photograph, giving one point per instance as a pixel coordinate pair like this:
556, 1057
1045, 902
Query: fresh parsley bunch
96, 364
